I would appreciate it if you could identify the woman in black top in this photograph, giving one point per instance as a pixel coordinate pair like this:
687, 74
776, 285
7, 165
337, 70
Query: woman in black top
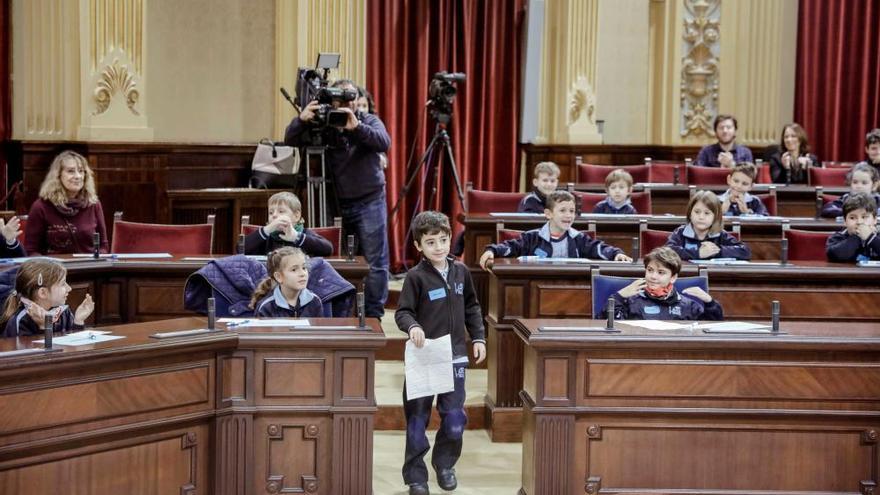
791, 161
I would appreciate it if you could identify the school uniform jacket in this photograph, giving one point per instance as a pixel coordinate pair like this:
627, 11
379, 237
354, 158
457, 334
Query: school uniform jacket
834, 209
14, 250
684, 241
843, 246
21, 323
534, 202
674, 306
753, 202
258, 242
441, 307
606, 207
537, 243
275, 305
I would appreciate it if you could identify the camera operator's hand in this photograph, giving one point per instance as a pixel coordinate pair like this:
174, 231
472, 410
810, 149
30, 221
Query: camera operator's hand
352, 118
308, 112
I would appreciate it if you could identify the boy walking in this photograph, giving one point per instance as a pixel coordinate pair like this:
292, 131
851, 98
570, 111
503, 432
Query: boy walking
438, 299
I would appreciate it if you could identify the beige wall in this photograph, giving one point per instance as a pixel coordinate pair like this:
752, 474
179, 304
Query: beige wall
211, 69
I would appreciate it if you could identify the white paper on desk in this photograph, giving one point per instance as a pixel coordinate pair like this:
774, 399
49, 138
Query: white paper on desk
265, 322
85, 337
429, 369
734, 326
515, 214
124, 256
868, 263
655, 324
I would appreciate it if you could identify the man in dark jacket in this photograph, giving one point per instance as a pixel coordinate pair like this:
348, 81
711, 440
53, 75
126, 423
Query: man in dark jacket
355, 167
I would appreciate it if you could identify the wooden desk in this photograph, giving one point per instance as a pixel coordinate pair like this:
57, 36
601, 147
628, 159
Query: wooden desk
132, 290
807, 291
265, 410
679, 411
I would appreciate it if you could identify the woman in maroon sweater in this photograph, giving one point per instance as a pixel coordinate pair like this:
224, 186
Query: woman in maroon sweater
67, 214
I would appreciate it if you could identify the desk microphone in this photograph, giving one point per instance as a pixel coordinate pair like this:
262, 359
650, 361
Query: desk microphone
676, 175
96, 245
635, 250
819, 202
212, 314
609, 307
240, 246
362, 317
349, 248
774, 316
784, 256
47, 332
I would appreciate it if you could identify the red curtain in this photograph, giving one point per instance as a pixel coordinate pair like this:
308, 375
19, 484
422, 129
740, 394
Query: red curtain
409, 41
837, 92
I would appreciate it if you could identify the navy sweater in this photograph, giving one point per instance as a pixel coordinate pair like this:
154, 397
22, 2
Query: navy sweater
537, 242
534, 202
21, 324
275, 305
257, 242
753, 202
842, 246
674, 306
834, 209
606, 207
684, 241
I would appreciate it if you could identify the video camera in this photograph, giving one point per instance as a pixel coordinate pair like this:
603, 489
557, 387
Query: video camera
441, 91
312, 84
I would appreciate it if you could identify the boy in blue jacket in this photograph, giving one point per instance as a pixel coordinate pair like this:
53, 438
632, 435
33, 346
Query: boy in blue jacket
655, 298
736, 200
618, 187
859, 240
556, 239
438, 299
545, 182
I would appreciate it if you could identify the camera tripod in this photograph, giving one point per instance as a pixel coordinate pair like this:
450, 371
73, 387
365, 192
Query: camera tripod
429, 162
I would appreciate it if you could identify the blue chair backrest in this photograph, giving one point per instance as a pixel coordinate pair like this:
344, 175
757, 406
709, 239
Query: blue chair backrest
603, 286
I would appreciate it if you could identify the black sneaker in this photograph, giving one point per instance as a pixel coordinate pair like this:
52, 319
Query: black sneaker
419, 489
446, 479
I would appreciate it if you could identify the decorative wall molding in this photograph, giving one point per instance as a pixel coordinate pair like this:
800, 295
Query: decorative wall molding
114, 79
700, 67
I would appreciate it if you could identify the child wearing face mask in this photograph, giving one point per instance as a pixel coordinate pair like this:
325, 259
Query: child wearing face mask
283, 293
703, 237
286, 228
863, 178
656, 298
41, 289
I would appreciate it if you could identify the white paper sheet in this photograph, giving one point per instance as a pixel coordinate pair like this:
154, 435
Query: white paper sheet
734, 326
655, 324
85, 337
125, 256
429, 369
264, 322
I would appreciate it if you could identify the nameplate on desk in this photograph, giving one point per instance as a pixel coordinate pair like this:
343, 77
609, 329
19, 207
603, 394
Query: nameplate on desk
182, 333
576, 261
737, 328
868, 264
579, 329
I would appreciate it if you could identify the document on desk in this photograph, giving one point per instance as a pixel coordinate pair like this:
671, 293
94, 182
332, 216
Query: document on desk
85, 337
429, 369
655, 324
264, 322
733, 327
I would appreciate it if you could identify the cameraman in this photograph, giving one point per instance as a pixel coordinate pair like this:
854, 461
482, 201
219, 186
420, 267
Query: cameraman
355, 167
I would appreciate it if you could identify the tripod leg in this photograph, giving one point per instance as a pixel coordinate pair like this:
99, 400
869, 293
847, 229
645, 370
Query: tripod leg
453, 168
413, 174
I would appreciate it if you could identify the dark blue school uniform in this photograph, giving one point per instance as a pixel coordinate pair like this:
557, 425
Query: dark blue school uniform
534, 202
21, 324
843, 246
14, 250
834, 209
275, 305
684, 241
753, 202
674, 306
607, 207
538, 242
258, 242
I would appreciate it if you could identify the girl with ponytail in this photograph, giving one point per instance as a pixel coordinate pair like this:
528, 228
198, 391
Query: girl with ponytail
283, 294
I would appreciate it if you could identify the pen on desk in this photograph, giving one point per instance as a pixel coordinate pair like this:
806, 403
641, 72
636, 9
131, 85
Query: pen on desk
237, 323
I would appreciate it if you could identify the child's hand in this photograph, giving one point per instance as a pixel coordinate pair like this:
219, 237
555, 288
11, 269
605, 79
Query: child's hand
864, 231
633, 288
698, 293
622, 257
741, 202
84, 310
289, 233
709, 249
487, 260
281, 223
479, 352
37, 313
10, 229
417, 335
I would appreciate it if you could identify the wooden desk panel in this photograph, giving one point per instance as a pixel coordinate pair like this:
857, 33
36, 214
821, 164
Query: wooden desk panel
807, 291
656, 412
193, 415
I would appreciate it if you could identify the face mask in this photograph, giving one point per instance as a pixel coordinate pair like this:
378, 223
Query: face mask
659, 292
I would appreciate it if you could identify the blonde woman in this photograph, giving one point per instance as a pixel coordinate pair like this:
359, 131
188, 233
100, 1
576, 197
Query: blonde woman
67, 214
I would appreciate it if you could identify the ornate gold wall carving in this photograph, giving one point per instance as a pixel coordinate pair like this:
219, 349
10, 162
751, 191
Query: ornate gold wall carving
699, 71
114, 79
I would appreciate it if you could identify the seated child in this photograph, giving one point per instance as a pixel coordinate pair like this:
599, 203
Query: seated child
655, 298
872, 149
618, 187
736, 200
286, 228
556, 239
41, 289
859, 240
863, 178
545, 182
283, 294
438, 299
703, 237
10, 231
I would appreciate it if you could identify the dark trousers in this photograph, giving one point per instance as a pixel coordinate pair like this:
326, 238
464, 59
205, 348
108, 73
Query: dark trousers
447, 443
368, 220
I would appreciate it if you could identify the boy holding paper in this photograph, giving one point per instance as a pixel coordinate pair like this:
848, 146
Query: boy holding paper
438, 299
